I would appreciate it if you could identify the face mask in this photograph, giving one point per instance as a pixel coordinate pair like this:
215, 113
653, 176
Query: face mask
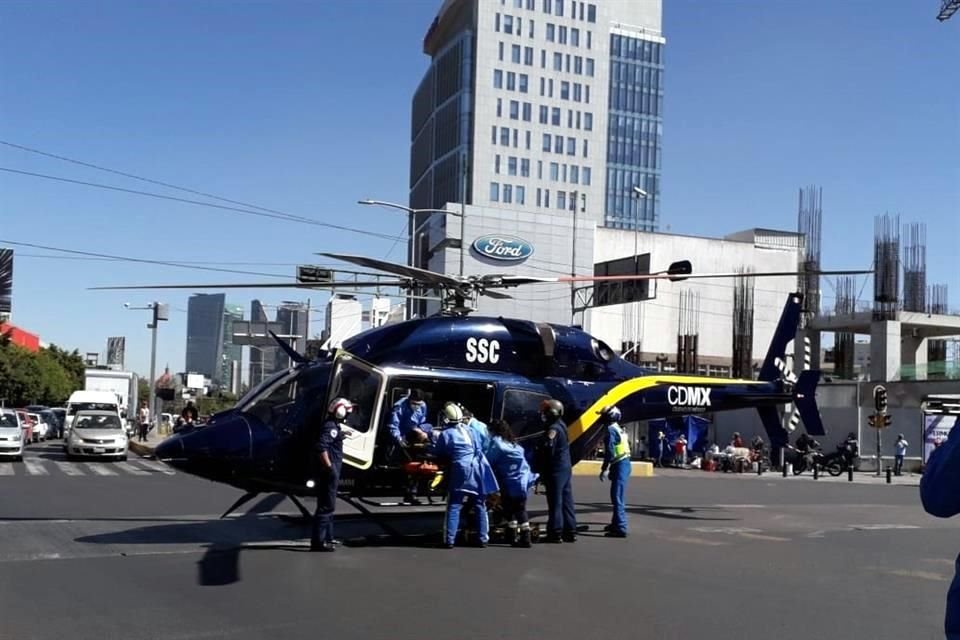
416, 404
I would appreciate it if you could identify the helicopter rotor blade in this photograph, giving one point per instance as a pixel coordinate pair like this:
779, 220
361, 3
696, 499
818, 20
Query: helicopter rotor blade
261, 285
414, 273
676, 272
496, 295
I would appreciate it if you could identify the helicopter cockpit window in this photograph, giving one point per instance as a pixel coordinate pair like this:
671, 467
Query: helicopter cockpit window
258, 389
273, 403
361, 386
521, 410
602, 350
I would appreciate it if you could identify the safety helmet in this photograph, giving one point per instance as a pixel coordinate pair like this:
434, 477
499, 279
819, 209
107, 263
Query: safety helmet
451, 413
339, 408
551, 409
612, 413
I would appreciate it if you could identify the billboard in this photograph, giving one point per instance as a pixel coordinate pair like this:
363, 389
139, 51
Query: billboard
936, 430
622, 292
116, 350
6, 280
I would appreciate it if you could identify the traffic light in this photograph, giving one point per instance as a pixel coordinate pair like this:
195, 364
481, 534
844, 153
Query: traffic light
880, 398
887, 420
871, 421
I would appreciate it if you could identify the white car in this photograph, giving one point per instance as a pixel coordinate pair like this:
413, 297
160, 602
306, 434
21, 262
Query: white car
11, 435
40, 428
97, 434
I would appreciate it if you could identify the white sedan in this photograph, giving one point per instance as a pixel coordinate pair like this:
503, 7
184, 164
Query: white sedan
97, 434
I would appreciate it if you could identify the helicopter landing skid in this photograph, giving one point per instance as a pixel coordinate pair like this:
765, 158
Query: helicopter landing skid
359, 505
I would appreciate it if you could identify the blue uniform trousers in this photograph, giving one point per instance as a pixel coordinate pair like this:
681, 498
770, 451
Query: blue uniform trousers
562, 516
326, 504
455, 503
619, 472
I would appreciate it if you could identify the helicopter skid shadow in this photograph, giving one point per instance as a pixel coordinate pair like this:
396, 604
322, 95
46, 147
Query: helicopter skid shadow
659, 511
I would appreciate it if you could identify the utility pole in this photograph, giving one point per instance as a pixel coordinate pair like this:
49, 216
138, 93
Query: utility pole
573, 253
463, 211
160, 312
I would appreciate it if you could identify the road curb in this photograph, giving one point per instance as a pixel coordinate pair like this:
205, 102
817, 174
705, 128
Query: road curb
592, 468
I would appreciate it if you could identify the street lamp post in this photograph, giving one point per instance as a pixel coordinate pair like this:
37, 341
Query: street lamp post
160, 312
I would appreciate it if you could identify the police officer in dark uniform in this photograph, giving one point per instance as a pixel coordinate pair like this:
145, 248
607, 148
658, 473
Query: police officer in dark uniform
556, 471
329, 450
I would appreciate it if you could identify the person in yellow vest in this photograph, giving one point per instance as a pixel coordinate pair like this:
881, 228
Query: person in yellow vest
616, 467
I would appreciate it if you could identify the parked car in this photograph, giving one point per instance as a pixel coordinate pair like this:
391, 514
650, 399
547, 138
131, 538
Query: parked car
26, 426
97, 434
40, 428
11, 435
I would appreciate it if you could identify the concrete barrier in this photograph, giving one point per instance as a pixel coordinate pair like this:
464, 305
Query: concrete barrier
592, 468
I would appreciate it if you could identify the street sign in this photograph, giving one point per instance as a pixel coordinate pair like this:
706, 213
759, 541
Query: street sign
309, 274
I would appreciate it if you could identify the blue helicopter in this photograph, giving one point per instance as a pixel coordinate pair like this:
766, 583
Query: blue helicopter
499, 368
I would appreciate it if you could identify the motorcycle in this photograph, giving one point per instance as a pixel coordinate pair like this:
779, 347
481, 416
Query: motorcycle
804, 460
841, 460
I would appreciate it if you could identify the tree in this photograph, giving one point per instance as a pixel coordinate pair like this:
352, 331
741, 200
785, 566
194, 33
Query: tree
143, 390
72, 363
37, 378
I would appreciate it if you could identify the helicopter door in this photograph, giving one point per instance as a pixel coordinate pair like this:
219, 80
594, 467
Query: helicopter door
363, 385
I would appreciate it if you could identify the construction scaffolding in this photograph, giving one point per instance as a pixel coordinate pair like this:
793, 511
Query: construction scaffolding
809, 222
886, 264
743, 326
937, 349
915, 267
844, 341
688, 332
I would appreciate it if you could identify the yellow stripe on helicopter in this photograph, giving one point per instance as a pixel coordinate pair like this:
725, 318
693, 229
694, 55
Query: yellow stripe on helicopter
634, 385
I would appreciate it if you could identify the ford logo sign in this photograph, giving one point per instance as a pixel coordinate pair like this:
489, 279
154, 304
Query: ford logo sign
503, 248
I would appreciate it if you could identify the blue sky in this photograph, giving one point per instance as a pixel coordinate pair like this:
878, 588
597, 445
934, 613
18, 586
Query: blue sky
304, 107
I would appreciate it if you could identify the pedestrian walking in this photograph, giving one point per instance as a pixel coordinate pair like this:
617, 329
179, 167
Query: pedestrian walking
900, 450
616, 467
143, 422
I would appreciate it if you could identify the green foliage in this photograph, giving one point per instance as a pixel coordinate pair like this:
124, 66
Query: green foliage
143, 390
46, 377
209, 405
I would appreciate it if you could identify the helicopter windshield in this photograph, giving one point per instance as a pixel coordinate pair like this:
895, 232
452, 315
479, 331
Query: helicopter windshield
257, 390
273, 401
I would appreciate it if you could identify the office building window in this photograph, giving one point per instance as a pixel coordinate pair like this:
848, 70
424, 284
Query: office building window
546, 142
515, 51
523, 82
511, 81
539, 197
562, 35
569, 118
555, 116
493, 138
496, 23
554, 171
531, 29
563, 176
586, 94
558, 62
548, 6
539, 169
505, 136
512, 166
574, 174
546, 198
575, 37
531, 5
527, 111
564, 90
588, 121
519, 26
516, 138
559, 8
514, 110
589, 40
543, 59
551, 32
543, 87
578, 65
528, 56
518, 4
558, 144
561, 199
585, 175
521, 194
585, 147
581, 10
508, 24
496, 163
550, 88
525, 167
590, 67
528, 141
571, 146
499, 107
497, 79
507, 193
500, 52
544, 114
591, 13
578, 120
494, 192
577, 92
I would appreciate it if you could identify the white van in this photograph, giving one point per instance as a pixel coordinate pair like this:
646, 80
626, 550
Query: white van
89, 401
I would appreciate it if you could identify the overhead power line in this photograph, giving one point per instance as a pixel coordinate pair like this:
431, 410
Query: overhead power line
263, 214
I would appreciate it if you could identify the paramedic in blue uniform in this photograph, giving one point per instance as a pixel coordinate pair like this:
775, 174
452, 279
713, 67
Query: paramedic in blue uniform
940, 494
408, 426
616, 467
477, 429
556, 472
471, 479
329, 449
515, 478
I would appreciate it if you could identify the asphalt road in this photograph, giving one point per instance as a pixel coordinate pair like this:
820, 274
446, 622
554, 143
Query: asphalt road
142, 554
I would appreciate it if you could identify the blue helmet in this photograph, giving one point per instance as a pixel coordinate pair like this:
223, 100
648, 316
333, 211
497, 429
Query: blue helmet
612, 413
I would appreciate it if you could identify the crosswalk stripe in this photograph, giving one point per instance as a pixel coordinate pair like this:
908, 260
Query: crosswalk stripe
69, 468
35, 467
6, 469
100, 469
132, 470
156, 466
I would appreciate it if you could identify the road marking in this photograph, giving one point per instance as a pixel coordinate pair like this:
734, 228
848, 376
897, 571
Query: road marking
881, 527
923, 575
6, 469
157, 467
100, 469
691, 540
739, 506
35, 467
132, 470
758, 536
69, 468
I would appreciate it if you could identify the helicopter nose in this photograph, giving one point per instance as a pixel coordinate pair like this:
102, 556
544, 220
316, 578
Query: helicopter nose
170, 449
